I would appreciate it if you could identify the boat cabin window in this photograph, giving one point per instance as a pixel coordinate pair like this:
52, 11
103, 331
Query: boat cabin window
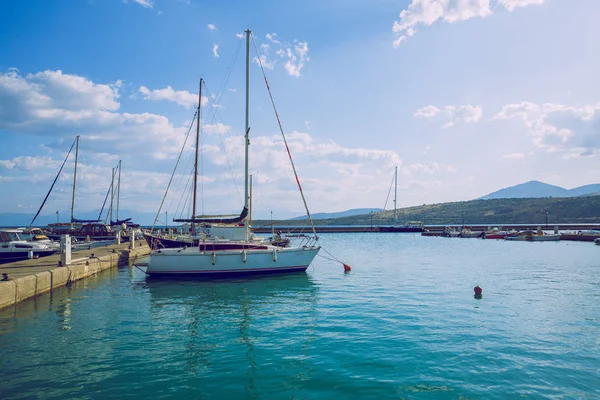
9, 237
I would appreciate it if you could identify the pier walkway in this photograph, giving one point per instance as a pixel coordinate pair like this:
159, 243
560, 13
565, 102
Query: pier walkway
28, 278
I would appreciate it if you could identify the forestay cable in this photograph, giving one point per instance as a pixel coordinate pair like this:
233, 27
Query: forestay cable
284, 140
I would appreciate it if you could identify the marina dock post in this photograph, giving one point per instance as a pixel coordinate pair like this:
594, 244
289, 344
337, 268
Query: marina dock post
132, 238
65, 250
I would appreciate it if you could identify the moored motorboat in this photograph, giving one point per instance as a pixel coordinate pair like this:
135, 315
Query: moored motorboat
468, 233
410, 226
532, 236
496, 233
13, 247
451, 232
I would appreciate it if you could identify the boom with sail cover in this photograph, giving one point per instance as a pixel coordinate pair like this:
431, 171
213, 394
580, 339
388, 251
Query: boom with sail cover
216, 219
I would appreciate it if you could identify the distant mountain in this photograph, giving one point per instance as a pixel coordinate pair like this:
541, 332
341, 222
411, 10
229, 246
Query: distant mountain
347, 213
587, 190
536, 189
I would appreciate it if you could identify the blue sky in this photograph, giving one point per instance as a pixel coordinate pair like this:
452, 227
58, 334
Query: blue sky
465, 96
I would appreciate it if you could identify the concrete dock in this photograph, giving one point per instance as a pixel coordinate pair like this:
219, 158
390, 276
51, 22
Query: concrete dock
29, 278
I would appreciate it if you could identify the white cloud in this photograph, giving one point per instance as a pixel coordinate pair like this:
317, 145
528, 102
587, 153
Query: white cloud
271, 37
218, 128
428, 12
510, 5
295, 55
296, 58
262, 60
513, 156
143, 3
62, 106
49, 93
464, 113
427, 112
552, 126
181, 97
431, 168
211, 27
71, 90
108, 134
215, 50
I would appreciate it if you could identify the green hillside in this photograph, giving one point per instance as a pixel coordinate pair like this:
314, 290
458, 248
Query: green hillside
492, 212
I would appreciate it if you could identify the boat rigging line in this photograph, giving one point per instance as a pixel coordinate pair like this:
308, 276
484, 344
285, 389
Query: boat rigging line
53, 183
388, 195
347, 267
284, 139
174, 169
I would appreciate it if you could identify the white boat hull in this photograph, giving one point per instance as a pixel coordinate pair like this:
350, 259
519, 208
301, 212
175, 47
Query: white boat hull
534, 238
191, 261
546, 238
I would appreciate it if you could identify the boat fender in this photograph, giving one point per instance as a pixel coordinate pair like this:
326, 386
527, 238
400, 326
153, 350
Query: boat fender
244, 256
214, 258
274, 255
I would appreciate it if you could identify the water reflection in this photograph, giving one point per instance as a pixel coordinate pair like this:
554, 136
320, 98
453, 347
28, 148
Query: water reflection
64, 312
232, 321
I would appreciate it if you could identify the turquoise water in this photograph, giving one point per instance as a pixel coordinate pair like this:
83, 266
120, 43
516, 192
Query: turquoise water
403, 324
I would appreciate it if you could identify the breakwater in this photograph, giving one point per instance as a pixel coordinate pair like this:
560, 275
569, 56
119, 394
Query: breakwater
29, 278
432, 228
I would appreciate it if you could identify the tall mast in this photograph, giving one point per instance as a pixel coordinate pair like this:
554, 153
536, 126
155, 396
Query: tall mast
196, 159
395, 192
247, 139
112, 194
118, 190
74, 178
250, 210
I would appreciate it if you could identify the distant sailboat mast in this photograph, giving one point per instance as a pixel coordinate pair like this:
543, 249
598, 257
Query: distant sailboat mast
395, 194
74, 180
112, 195
118, 190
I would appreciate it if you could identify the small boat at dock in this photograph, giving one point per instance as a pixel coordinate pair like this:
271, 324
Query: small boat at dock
468, 233
496, 233
14, 247
451, 232
532, 236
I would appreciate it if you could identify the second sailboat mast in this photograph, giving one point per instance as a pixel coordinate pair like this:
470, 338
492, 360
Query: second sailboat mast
247, 138
196, 159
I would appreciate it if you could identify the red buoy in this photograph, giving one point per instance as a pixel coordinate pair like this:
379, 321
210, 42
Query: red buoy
346, 267
477, 289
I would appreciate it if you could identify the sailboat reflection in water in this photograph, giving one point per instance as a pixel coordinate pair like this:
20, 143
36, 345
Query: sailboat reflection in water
236, 251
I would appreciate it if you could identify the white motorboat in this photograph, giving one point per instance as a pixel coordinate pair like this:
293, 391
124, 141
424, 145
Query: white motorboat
13, 247
531, 236
231, 251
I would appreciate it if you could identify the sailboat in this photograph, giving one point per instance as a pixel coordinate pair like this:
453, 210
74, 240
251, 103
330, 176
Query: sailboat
214, 229
79, 229
237, 254
410, 226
